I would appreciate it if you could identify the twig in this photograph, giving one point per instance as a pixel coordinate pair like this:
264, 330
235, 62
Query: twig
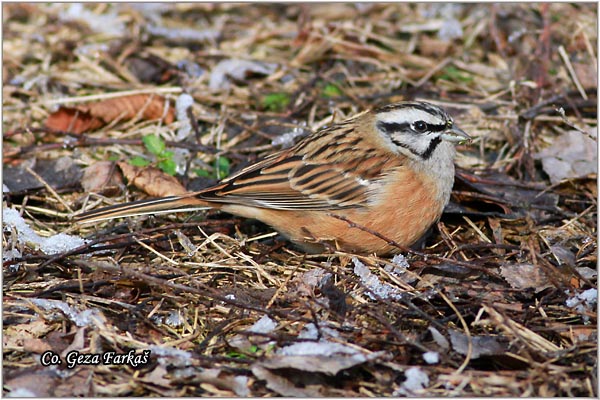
565, 57
85, 141
411, 251
48, 188
104, 96
467, 332
432, 71
561, 112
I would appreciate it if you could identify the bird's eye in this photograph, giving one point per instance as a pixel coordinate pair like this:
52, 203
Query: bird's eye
420, 126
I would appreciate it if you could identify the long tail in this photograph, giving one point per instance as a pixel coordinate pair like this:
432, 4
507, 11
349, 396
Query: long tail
142, 207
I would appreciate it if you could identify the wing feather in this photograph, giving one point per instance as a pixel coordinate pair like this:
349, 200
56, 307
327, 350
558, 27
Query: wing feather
331, 169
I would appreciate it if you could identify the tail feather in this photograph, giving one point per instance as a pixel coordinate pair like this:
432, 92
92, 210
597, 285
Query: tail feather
144, 207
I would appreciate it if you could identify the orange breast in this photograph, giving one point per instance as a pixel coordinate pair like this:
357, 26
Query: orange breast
405, 206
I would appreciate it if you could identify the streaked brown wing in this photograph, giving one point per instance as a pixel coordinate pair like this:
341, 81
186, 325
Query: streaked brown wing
331, 169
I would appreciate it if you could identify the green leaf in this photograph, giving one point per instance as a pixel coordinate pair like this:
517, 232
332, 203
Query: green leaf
275, 101
203, 173
221, 170
166, 155
154, 144
332, 90
222, 165
138, 161
235, 354
168, 166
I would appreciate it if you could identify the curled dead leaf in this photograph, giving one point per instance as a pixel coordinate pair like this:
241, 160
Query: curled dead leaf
152, 180
87, 117
102, 177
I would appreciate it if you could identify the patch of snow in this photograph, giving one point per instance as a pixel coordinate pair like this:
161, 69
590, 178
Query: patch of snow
583, 302
79, 318
416, 379
263, 325
451, 29
321, 348
183, 102
431, 357
22, 392
108, 23
310, 331
25, 234
183, 33
372, 282
174, 319
287, 139
11, 254
180, 158
399, 265
171, 356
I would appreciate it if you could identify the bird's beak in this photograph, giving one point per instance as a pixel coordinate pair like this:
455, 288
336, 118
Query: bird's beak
455, 134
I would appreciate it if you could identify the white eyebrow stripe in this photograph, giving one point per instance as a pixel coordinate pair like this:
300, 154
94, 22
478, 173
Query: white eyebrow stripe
410, 115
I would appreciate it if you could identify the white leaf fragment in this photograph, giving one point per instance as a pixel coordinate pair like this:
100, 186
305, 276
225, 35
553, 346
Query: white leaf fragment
236, 69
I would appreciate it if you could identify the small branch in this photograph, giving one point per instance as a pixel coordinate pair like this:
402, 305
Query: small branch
565, 57
561, 112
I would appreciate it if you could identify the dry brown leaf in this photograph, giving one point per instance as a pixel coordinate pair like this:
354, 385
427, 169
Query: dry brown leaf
312, 48
77, 343
37, 383
525, 276
37, 346
79, 384
86, 117
284, 386
102, 177
571, 155
15, 335
484, 345
157, 377
586, 73
152, 180
224, 380
433, 47
73, 120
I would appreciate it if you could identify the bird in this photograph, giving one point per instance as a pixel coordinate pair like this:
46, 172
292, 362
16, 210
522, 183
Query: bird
370, 184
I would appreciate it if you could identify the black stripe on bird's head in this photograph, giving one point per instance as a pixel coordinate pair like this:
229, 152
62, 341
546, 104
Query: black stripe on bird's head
416, 127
